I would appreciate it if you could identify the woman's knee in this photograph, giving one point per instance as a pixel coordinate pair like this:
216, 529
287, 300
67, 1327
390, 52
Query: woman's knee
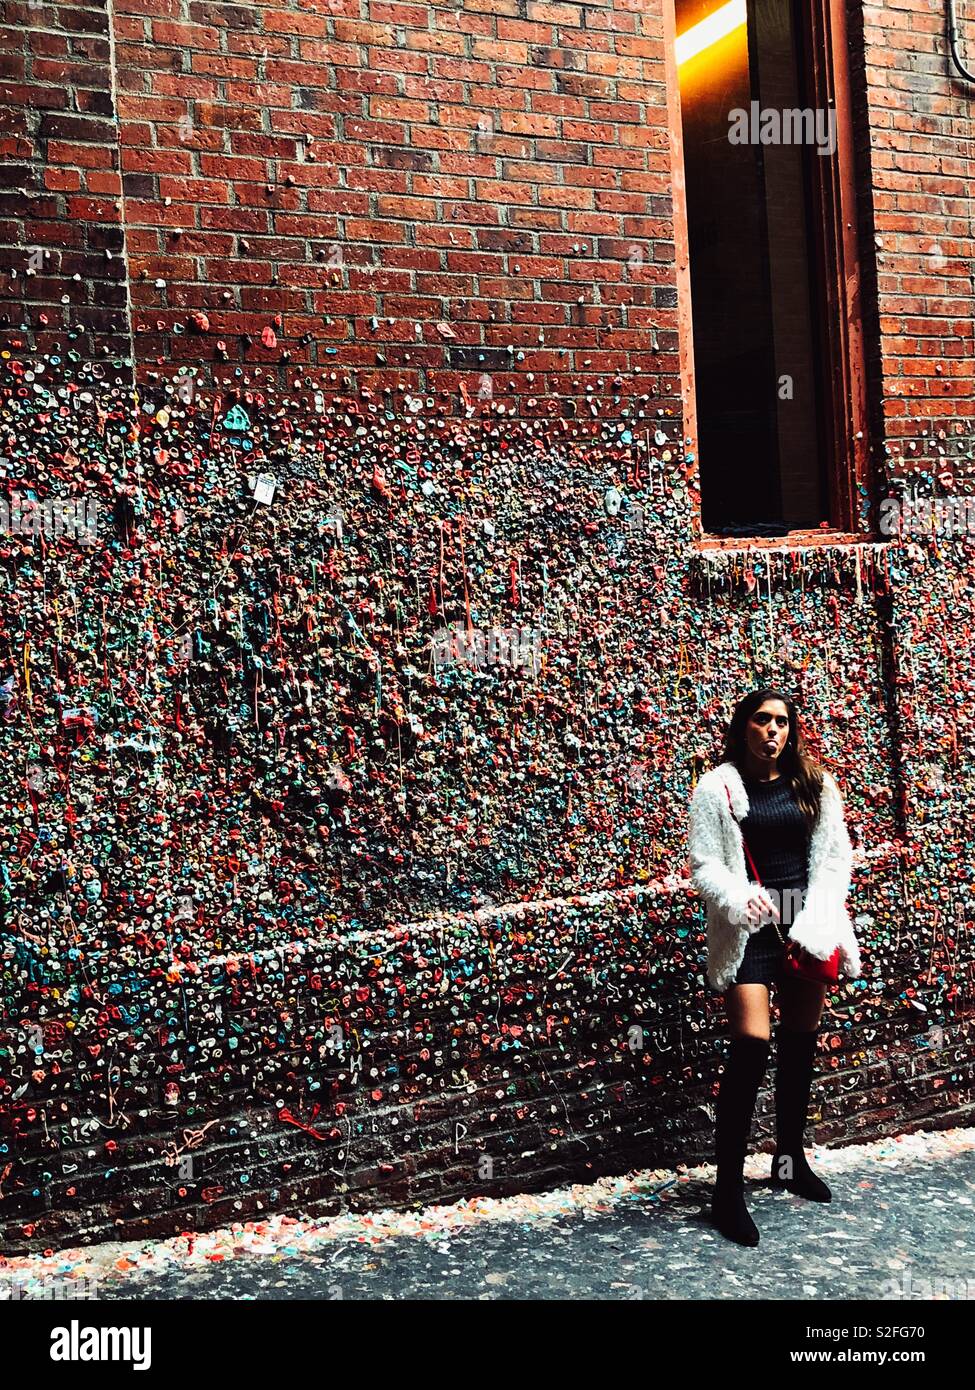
759, 1033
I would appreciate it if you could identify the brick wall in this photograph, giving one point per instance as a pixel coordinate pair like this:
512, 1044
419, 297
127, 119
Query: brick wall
550, 1078
61, 238
432, 190
426, 188
916, 142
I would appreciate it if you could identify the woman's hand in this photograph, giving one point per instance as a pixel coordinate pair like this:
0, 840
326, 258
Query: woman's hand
759, 905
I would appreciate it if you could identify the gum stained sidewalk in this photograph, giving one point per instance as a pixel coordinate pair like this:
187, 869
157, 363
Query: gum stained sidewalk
887, 1230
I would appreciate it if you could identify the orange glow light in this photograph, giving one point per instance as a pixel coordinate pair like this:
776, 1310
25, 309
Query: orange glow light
711, 30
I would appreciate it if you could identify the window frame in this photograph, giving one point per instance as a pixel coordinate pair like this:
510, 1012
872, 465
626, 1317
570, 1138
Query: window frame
835, 221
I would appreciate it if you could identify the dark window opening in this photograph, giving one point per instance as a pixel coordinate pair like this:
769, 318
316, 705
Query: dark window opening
775, 412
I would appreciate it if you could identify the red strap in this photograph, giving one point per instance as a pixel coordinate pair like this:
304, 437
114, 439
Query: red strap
748, 852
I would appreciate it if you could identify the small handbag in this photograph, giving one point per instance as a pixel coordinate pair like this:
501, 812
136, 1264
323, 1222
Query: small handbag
800, 963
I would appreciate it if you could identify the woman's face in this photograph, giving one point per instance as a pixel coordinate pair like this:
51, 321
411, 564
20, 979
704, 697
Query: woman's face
767, 731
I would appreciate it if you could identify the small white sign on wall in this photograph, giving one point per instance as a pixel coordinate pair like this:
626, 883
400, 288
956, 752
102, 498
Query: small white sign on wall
264, 488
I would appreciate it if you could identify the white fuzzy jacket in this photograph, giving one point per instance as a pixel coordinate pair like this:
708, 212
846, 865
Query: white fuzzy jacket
717, 860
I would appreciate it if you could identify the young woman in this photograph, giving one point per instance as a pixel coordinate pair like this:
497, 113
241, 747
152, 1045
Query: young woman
769, 795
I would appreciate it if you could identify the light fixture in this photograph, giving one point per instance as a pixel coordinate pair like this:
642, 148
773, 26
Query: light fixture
710, 30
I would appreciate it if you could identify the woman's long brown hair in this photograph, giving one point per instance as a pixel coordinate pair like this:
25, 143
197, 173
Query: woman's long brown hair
795, 763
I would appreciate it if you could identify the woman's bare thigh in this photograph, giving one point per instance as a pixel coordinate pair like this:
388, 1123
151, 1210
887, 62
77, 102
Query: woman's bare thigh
747, 1007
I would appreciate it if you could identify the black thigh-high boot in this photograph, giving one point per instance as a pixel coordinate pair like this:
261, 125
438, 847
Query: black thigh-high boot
795, 1055
743, 1073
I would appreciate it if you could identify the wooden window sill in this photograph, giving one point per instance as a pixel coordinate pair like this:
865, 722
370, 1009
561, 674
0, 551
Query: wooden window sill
794, 540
